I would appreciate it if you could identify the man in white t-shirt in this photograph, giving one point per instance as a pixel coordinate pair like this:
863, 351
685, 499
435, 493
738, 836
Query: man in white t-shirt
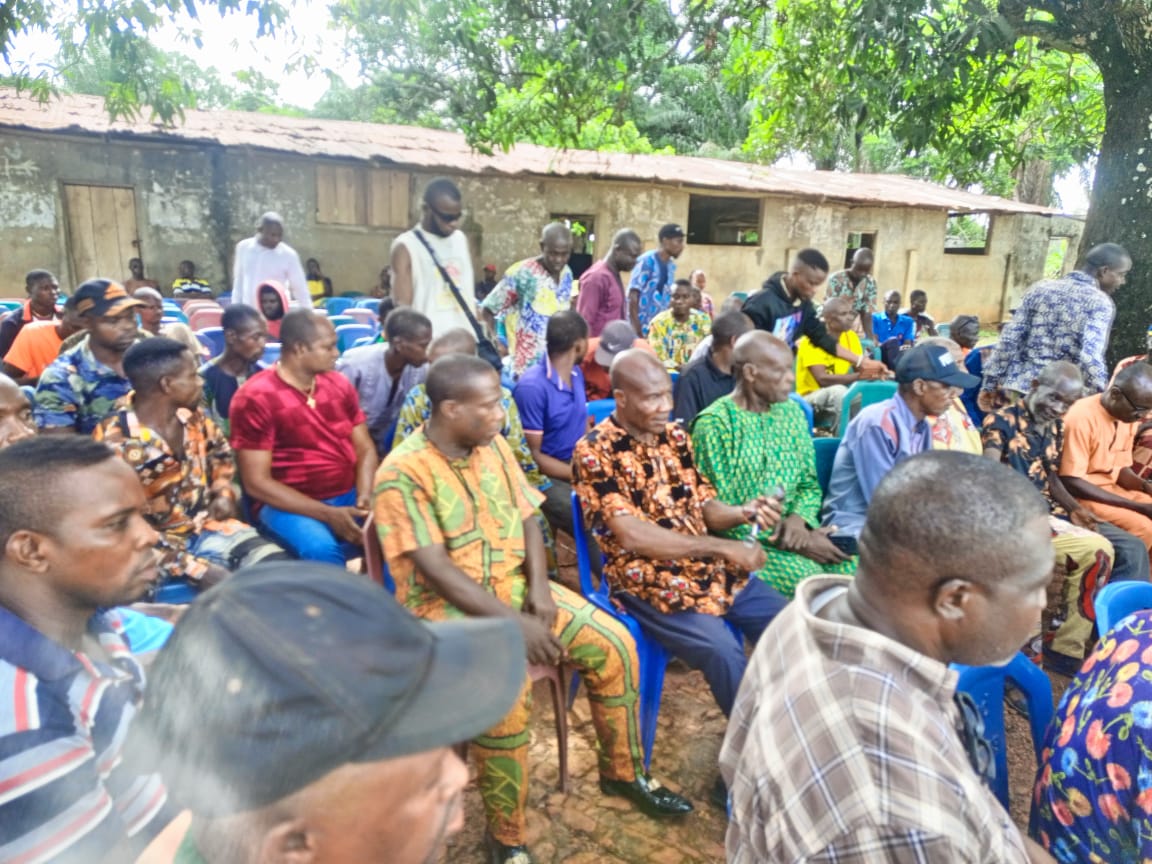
416, 280
265, 257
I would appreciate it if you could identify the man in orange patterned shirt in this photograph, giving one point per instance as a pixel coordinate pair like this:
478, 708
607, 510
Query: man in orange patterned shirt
185, 465
652, 513
455, 517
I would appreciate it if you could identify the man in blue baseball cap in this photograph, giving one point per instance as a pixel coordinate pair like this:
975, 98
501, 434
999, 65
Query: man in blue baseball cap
301, 714
889, 432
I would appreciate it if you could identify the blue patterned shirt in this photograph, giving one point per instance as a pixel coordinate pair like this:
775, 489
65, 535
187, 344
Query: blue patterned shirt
77, 391
646, 280
1058, 319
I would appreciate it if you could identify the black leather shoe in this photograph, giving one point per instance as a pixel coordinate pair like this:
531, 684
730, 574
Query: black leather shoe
498, 853
648, 795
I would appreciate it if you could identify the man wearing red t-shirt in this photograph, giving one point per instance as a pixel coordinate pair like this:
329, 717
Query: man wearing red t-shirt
305, 455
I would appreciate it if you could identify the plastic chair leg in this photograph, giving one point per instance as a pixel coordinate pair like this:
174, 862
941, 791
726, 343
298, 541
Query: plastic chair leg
554, 675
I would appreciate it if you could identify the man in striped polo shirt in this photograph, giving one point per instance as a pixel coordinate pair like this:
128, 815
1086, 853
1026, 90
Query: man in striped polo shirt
73, 541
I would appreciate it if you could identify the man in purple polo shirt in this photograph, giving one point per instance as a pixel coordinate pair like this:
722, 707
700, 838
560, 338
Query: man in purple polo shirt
554, 411
602, 297
889, 432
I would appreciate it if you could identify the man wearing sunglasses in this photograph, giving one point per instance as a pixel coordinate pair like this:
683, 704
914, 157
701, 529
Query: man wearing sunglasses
1096, 467
432, 264
849, 741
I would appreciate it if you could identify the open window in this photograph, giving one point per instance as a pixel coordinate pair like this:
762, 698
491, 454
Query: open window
583, 240
858, 240
723, 221
967, 233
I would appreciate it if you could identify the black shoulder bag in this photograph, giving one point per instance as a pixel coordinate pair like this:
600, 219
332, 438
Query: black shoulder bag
484, 346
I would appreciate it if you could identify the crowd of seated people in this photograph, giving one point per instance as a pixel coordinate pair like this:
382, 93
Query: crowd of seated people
463, 432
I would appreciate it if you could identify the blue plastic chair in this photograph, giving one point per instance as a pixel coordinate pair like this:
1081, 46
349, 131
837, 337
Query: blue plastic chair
143, 633
271, 353
169, 303
860, 395
825, 457
336, 305
10, 305
363, 340
341, 320
372, 303
598, 409
808, 412
173, 316
347, 334
985, 684
651, 654
224, 299
1118, 600
212, 338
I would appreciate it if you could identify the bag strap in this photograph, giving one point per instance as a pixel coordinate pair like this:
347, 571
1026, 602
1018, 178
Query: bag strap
452, 285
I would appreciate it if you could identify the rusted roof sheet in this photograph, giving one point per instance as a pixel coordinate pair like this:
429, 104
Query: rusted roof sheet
437, 150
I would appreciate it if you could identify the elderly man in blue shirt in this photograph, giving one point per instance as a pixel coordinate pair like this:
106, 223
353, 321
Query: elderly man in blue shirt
887, 433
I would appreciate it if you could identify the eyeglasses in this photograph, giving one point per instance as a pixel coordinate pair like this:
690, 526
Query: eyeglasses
448, 218
1136, 409
979, 750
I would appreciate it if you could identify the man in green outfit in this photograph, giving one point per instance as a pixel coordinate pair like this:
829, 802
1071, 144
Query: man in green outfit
756, 442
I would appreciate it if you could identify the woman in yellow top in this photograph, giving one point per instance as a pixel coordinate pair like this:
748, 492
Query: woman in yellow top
319, 285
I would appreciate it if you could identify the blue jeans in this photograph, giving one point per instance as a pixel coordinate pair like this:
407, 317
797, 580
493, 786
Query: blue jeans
308, 538
704, 642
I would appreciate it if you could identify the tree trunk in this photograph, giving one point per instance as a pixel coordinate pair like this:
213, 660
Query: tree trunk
1034, 179
1120, 210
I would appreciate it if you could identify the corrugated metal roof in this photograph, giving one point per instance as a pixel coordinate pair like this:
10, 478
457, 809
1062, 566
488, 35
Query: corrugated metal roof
448, 151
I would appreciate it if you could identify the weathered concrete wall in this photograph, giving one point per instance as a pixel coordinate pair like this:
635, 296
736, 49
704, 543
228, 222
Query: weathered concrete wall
197, 202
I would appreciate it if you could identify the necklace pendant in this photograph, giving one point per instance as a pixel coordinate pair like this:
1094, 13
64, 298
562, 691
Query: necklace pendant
311, 402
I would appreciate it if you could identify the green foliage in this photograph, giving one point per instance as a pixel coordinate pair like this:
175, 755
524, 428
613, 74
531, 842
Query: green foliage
559, 72
106, 51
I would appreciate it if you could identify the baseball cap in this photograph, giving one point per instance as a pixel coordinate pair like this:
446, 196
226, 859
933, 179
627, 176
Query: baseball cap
101, 297
670, 230
932, 363
286, 671
616, 336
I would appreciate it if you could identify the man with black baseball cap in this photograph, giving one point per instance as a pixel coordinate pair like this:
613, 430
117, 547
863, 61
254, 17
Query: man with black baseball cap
650, 288
888, 432
301, 714
80, 388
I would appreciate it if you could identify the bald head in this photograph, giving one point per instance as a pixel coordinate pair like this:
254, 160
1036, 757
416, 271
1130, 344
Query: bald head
556, 232
863, 259
755, 346
945, 342
1059, 371
454, 341
983, 507
148, 294
270, 218
454, 377
626, 237
555, 248
837, 305
634, 368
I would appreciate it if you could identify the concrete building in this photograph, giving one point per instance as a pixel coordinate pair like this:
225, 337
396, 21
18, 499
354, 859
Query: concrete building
81, 195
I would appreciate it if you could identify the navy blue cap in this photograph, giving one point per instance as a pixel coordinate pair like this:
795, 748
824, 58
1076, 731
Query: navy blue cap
932, 363
285, 671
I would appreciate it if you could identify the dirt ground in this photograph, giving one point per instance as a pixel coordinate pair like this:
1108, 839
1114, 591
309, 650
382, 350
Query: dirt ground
585, 827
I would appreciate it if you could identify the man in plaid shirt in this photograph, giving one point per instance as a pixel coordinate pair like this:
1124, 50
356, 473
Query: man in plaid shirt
848, 743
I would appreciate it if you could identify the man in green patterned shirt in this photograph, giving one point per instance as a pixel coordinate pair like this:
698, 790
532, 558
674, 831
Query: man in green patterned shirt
756, 442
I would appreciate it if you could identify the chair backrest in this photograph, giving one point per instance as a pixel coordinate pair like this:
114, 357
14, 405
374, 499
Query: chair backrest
598, 409
224, 299
1117, 601
205, 316
340, 319
372, 303
363, 340
985, 684
346, 334
374, 556
336, 305
825, 457
212, 338
860, 395
174, 317
271, 353
808, 412
364, 316
583, 565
